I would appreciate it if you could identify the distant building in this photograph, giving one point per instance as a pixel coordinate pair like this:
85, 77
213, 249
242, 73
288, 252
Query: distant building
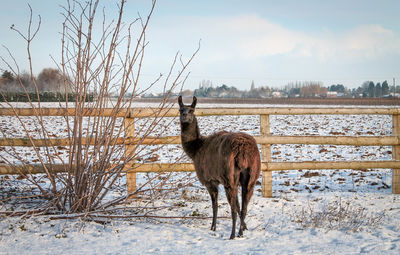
276, 94
332, 94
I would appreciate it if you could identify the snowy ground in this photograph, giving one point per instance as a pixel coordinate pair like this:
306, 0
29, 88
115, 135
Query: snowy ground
312, 212
272, 229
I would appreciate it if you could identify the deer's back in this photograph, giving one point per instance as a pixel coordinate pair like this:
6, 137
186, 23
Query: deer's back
225, 154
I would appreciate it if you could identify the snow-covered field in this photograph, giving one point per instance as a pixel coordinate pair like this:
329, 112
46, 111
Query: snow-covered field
312, 212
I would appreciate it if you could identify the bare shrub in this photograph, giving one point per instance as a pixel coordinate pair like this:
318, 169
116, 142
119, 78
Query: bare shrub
106, 63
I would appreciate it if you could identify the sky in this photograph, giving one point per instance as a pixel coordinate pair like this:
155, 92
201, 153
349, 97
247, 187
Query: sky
270, 42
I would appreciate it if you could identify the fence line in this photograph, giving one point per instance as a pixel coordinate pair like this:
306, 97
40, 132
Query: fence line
265, 140
172, 112
262, 139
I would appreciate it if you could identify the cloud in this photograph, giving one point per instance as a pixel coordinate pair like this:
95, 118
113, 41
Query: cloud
251, 36
372, 41
238, 49
257, 37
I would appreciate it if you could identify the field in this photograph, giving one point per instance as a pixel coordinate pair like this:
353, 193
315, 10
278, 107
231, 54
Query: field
295, 101
312, 212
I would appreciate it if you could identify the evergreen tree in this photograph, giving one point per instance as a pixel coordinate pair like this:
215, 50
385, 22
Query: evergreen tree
378, 90
7, 76
385, 88
371, 89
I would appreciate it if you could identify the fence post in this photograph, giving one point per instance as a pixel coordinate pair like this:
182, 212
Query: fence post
396, 156
129, 124
266, 157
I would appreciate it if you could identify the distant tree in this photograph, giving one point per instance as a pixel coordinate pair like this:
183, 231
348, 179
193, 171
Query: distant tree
338, 88
312, 89
206, 84
187, 93
7, 76
205, 87
26, 80
378, 90
224, 87
358, 92
264, 92
294, 91
221, 91
50, 79
385, 88
200, 92
371, 89
6, 80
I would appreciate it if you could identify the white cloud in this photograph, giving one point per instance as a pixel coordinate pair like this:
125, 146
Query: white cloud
237, 49
258, 37
251, 36
372, 41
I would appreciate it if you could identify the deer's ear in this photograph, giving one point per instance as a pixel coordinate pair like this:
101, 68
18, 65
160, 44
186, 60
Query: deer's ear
180, 101
194, 102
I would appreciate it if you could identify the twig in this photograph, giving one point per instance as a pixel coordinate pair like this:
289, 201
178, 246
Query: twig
22, 197
23, 213
64, 217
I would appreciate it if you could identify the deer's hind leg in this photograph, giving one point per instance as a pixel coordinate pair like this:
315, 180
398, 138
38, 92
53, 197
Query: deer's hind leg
212, 188
247, 192
232, 196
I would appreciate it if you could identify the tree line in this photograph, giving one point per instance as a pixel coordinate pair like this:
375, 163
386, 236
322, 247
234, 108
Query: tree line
53, 86
48, 80
297, 89
49, 86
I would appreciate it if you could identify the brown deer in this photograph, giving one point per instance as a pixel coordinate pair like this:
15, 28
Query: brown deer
223, 158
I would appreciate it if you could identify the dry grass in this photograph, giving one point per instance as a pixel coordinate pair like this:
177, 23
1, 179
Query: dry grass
344, 215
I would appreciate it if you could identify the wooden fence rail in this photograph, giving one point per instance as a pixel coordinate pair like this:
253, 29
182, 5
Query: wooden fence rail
262, 139
149, 112
265, 140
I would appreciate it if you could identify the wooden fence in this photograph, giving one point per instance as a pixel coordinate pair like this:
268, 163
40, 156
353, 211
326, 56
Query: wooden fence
265, 140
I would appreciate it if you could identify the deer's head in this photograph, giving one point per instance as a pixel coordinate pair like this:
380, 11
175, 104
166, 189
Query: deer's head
187, 111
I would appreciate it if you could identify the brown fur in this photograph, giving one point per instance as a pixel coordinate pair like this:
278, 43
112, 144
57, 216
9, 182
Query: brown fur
223, 158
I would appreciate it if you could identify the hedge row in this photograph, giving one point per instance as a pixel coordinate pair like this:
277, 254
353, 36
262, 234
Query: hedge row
44, 97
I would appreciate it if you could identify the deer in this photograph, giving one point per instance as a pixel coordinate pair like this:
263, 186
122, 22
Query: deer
227, 158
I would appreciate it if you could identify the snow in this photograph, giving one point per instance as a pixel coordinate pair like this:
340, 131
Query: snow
270, 222
312, 212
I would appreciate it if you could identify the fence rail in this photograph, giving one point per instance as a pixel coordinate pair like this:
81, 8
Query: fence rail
149, 112
265, 140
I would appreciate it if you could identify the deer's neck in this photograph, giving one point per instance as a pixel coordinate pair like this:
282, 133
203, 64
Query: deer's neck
191, 138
